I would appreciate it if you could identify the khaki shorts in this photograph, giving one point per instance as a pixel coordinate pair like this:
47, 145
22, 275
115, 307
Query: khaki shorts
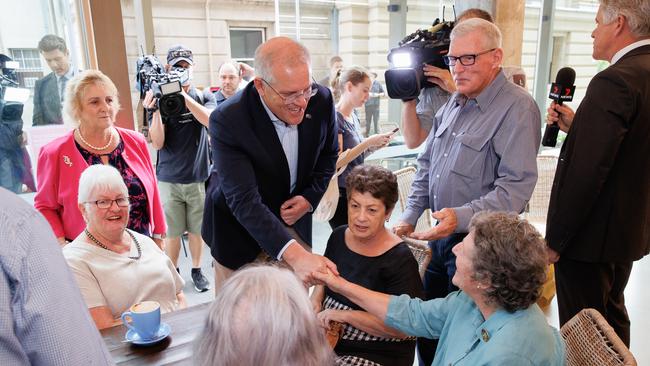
183, 204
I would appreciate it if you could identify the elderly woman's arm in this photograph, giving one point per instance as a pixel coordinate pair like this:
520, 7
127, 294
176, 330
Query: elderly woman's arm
103, 317
375, 303
361, 320
317, 297
182, 304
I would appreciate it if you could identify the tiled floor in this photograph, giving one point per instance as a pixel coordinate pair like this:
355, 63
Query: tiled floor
637, 294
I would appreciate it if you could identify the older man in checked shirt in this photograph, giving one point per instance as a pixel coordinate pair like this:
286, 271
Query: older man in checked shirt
480, 154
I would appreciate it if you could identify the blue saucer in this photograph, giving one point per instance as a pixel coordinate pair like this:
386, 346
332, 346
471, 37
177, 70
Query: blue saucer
134, 338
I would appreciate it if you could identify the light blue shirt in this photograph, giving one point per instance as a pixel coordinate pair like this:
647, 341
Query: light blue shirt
466, 338
43, 318
480, 155
429, 102
288, 135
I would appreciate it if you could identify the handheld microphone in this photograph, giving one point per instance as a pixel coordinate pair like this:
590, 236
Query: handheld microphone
561, 91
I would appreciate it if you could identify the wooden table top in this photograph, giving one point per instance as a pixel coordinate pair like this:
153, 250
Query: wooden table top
177, 349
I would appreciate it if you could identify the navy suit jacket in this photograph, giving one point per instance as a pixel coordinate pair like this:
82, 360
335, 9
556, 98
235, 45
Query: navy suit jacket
47, 102
250, 178
599, 209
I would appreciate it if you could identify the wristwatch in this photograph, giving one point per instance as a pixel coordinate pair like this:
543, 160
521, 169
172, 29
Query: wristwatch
159, 236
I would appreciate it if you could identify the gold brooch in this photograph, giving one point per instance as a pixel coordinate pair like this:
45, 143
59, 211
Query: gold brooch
67, 161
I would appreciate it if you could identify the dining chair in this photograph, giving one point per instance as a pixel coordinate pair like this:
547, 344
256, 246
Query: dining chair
421, 251
405, 178
590, 340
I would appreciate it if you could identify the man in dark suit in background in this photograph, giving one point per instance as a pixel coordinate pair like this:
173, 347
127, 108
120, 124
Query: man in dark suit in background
275, 148
599, 211
49, 91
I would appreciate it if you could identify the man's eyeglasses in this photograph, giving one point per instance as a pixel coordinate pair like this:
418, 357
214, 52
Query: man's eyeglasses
104, 204
465, 60
292, 98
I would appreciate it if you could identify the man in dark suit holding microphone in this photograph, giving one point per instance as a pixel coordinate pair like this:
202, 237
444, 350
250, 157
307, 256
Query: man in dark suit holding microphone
274, 146
599, 211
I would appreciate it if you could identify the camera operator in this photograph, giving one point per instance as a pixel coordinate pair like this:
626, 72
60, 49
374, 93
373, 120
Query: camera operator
417, 114
11, 133
183, 162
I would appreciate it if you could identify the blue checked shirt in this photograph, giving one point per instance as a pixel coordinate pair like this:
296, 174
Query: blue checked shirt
43, 318
480, 155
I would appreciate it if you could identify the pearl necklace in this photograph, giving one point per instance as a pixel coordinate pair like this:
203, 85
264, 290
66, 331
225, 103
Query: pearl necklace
100, 244
100, 148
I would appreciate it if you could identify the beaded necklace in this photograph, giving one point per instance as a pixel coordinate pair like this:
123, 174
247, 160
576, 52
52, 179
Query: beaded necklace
97, 148
101, 245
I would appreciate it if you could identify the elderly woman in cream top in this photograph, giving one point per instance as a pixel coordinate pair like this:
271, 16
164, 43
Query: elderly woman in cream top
116, 267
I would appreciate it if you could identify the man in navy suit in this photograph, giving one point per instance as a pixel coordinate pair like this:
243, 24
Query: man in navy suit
49, 91
275, 148
599, 211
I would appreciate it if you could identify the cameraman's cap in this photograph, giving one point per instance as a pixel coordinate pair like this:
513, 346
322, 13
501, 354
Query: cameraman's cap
179, 53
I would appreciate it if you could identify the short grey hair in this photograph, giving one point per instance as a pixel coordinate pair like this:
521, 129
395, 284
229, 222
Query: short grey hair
100, 178
281, 50
232, 63
489, 32
511, 256
262, 316
636, 12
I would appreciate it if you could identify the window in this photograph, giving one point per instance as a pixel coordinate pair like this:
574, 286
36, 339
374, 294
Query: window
28, 58
244, 41
30, 66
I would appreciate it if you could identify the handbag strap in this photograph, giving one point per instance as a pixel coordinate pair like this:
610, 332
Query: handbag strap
350, 154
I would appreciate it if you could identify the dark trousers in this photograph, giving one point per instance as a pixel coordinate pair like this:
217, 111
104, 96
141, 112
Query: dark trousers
600, 286
372, 115
341, 215
437, 284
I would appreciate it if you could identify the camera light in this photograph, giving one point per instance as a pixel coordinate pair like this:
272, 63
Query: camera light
402, 59
12, 65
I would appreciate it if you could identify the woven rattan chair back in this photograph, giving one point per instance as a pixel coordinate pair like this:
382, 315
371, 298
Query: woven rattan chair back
590, 340
421, 252
404, 179
538, 204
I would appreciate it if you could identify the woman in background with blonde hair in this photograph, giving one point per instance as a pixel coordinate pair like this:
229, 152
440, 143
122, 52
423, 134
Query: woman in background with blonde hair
91, 105
352, 88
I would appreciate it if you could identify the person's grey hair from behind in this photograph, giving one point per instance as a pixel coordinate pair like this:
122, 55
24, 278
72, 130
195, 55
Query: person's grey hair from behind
262, 316
354, 74
270, 53
76, 88
511, 256
51, 42
490, 33
637, 13
100, 178
475, 13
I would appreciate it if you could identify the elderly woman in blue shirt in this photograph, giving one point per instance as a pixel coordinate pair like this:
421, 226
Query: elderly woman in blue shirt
493, 319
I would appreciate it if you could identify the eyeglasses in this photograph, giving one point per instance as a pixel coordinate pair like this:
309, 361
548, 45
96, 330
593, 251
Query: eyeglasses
292, 98
465, 60
104, 204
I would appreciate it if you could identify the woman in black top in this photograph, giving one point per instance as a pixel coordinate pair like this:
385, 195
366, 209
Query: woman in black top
368, 254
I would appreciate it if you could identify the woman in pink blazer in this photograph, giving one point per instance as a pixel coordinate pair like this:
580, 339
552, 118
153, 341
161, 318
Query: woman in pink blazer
91, 103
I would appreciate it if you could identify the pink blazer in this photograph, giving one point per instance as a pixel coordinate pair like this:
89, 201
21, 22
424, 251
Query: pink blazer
59, 167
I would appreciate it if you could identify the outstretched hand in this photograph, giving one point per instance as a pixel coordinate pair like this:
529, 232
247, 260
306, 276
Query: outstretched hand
447, 223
